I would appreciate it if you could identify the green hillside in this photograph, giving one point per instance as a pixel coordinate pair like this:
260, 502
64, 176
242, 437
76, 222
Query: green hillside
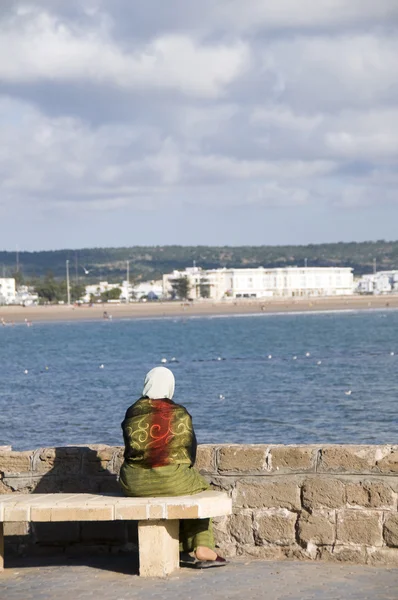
150, 262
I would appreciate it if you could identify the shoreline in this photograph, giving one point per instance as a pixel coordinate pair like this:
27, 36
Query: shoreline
140, 310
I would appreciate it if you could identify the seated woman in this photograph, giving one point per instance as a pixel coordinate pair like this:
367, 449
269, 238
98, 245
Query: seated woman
160, 451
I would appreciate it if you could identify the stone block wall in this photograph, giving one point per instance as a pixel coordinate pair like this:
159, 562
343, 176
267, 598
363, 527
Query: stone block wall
300, 502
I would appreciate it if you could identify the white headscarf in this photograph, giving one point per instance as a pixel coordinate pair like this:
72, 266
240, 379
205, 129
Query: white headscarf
159, 383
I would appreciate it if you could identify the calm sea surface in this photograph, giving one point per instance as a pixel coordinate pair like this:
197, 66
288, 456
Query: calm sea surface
224, 376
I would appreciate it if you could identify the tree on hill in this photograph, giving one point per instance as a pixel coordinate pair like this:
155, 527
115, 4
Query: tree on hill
151, 262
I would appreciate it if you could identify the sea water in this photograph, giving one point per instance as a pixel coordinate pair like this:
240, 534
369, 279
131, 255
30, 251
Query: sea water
298, 378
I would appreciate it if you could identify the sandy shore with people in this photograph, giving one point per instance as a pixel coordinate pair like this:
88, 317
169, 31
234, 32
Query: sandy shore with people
136, 310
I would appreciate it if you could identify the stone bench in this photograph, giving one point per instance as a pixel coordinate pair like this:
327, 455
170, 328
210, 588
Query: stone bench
158, 519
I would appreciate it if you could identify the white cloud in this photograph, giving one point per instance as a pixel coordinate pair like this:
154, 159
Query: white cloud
132, 106
282, 117
307, 13
327, 73
273, 194
368, 135
196, 123
357, 196
227, 15
63, 161
230, 168
166, 162
45, 48
357, 134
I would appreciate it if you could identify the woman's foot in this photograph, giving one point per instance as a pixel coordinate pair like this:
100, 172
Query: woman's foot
203, 553
205, 558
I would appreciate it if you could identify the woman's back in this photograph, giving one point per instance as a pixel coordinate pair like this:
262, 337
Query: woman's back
158, 432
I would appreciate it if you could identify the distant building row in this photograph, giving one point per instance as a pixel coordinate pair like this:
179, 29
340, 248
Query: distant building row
26, 295
218, 284
383, 282
146, 289
261, 282
9, 294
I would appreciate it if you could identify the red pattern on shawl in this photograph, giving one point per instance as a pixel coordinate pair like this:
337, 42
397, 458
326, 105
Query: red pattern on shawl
160, 433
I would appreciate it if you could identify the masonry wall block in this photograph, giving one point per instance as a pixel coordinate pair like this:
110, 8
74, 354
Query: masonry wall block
333, 502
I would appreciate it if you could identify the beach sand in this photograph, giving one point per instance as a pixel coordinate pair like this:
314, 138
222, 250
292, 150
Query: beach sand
18, 314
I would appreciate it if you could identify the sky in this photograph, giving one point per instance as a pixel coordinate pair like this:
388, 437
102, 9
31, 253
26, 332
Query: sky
217, 123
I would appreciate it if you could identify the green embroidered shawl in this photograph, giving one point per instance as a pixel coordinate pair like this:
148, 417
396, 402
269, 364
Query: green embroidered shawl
158, 433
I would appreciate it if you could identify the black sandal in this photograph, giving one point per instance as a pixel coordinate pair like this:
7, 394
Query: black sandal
206, 564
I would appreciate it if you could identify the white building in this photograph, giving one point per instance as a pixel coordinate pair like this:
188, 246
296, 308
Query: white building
145, 289
26, 296
382, 282
7, 290
263, 283
97, 289
127, 291
148, 289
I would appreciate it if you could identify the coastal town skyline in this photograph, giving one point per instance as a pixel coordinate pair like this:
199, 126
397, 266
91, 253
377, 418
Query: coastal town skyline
218, 124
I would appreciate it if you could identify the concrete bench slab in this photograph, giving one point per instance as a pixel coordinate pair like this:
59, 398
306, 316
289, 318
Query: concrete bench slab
158, 518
